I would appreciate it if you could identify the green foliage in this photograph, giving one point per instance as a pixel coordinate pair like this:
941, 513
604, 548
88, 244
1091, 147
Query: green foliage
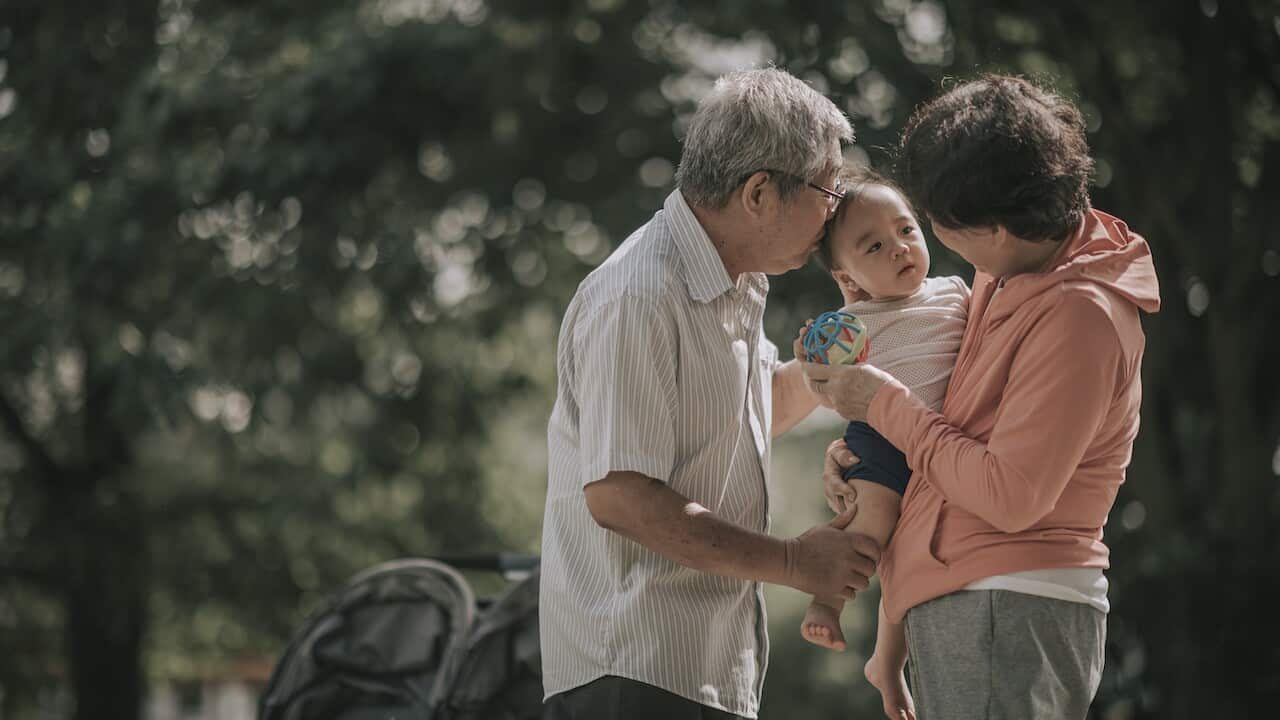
280, 288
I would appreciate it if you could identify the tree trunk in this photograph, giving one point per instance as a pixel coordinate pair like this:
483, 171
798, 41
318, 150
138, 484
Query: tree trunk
106, 612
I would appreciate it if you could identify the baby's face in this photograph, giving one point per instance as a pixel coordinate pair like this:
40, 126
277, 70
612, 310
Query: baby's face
877, 245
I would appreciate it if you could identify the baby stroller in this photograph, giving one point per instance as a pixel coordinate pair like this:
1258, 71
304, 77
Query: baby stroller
407, 640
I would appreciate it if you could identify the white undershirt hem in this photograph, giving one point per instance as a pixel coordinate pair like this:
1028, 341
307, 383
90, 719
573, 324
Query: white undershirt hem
1079, 585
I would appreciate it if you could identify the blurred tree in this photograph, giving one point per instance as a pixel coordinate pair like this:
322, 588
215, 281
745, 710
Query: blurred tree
268, 277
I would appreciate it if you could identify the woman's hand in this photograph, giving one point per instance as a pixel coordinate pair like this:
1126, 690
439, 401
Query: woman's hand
847, 389
840, 494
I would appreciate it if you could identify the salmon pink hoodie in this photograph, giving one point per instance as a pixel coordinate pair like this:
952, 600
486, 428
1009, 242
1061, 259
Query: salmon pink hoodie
1021, 468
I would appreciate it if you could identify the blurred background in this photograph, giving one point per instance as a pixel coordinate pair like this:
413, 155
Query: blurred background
280, 285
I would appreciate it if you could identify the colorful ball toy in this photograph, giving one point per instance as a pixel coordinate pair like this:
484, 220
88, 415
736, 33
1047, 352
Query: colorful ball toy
836, 338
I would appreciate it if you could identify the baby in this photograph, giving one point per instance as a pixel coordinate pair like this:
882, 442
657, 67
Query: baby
877, 255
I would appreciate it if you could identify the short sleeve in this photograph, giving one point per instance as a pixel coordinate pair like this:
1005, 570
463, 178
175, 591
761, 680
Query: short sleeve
960, 286
626, 353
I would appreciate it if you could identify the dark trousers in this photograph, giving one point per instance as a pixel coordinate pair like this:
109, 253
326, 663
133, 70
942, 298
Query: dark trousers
615, 698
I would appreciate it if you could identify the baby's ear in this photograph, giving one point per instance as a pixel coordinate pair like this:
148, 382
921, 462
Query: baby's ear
845, 281
849, 287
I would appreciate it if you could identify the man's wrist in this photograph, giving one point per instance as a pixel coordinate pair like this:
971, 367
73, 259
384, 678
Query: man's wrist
790, 551
773, 563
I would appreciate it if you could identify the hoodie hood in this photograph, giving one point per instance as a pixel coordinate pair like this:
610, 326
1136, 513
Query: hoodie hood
1104, 252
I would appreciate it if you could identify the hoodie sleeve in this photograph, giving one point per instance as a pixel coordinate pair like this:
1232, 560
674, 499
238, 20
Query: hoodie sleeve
1062, 381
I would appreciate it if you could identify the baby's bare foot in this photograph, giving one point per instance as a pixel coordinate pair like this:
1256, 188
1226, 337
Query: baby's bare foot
821, 626
892, 685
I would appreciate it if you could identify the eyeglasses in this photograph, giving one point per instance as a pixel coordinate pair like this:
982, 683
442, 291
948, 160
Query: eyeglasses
833, 196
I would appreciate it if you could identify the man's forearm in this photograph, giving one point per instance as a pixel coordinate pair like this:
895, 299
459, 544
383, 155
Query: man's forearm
792, 401
652, 514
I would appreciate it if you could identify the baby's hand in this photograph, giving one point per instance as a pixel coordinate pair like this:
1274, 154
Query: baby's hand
797, 347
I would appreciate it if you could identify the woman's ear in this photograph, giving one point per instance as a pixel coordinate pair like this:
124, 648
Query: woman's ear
1000, 236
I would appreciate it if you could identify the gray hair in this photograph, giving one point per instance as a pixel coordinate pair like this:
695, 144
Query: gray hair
759, 119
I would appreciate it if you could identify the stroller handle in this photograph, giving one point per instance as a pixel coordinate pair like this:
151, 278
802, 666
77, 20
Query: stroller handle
504, 562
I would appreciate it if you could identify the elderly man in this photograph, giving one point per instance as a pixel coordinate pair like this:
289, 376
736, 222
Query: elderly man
655, 538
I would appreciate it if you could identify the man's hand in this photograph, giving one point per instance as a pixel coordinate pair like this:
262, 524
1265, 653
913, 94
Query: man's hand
847, 389
840, 494
828, 562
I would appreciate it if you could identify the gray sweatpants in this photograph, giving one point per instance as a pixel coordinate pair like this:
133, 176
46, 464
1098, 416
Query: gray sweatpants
1001, 655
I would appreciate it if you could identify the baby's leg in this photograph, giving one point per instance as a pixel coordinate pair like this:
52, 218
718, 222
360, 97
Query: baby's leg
878, 509
885, 668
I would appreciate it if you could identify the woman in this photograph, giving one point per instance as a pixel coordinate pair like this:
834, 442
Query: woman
997, 561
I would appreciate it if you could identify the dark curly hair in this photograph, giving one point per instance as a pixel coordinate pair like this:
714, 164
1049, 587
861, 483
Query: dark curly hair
999, 150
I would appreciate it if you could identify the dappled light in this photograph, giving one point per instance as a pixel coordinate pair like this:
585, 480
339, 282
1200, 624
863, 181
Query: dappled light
282, 285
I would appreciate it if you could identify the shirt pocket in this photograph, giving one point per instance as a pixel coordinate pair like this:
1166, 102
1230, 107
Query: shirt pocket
713, 385
935, 535
932, 509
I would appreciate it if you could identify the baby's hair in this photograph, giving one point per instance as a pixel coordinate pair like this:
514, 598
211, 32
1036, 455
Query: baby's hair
855, 180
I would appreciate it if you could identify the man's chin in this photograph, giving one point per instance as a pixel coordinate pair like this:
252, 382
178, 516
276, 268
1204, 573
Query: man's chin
782, 267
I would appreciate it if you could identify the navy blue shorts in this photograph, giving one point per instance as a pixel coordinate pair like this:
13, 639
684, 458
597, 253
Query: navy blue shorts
878, 460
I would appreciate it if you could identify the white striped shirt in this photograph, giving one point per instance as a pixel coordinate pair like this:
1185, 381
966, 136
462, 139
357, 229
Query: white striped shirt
662, 369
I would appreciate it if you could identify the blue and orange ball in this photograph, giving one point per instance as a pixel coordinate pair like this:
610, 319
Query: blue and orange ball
836, 338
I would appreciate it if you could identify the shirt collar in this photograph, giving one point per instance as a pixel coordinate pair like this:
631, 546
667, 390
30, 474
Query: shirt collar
704, 272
